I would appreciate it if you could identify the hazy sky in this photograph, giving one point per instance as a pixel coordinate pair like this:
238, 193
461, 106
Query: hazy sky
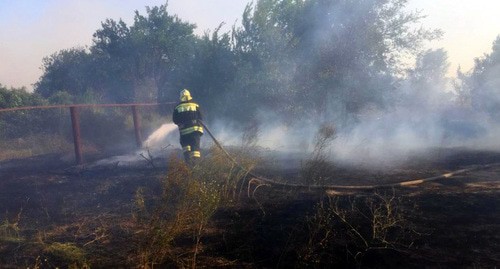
33, 29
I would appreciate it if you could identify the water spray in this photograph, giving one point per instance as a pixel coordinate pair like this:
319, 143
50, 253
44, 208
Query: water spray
153, 146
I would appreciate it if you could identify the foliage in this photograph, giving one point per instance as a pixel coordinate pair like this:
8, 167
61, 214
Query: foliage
426, 84
296, 59
480, 87
15, 97
26, 133
105, 128
14, 123
212, 73
327, 58
68, 70
146, 60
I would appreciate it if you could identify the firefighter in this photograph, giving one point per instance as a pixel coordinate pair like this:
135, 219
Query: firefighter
187, 115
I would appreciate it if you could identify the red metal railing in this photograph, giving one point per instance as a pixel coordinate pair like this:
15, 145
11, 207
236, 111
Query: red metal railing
75, 120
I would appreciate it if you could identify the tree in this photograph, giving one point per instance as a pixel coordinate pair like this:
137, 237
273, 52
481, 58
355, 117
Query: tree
147, 60
427, 81
17, 97
212, 73
329, 58
298, 59
162, 49
113, 54
484, 82
68, 70
14, 124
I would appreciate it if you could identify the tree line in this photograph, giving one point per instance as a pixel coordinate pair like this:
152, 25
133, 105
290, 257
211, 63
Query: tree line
294, 59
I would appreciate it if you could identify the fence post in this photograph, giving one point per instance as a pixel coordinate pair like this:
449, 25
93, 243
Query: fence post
75, 122
137, 126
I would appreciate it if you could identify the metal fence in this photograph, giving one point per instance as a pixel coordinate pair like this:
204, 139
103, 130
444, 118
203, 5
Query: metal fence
100, 120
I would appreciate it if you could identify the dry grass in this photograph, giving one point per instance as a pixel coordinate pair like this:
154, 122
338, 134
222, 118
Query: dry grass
190, 197
68, 253
33, 145
359, 225
9, 232
318, 169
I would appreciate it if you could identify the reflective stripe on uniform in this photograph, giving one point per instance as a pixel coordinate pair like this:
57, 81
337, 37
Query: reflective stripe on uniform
196, 154
187, 148
191, 129
186, 107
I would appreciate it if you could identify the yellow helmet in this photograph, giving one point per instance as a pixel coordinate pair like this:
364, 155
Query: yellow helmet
185, 95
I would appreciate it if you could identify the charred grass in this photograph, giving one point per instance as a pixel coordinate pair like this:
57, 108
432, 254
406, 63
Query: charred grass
203, 217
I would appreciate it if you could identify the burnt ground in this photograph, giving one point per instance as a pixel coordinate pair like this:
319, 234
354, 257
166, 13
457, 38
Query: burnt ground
55, 215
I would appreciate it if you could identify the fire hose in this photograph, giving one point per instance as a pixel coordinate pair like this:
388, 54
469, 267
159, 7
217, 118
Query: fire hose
330, 189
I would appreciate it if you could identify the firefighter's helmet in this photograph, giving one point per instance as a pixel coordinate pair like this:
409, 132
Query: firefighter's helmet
185, 95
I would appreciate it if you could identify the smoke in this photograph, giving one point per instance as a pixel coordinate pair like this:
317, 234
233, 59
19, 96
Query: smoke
379, 138
426, 116
422, 112
419, 112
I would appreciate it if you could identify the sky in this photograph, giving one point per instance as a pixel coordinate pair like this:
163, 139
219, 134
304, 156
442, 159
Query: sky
33, 29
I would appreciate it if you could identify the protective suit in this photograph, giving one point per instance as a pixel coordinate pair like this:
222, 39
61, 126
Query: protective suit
187, 115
